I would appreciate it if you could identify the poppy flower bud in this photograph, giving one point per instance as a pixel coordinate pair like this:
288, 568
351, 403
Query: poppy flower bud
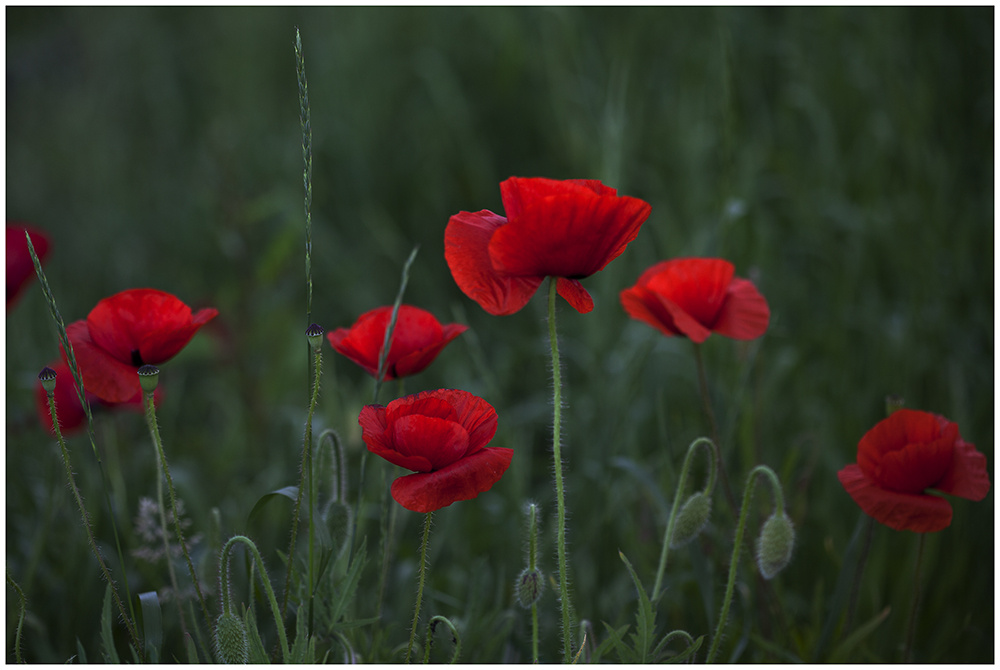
691, 519
149, 376
774, 546
530, 585
48, 378
892, 403
231, 644
315, 335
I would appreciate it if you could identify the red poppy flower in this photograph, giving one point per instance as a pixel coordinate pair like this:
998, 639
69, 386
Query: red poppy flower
566, 229
695, 297
416, 341
442, 435
20, 269
68, 408
905, 454
126, 331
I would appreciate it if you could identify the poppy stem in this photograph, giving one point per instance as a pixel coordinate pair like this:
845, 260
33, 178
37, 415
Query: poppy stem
155, 432
262, 571
911, 625
86, 523
779, 505
20, 619
420, 585
567, 629
707, 402
709, 486
162, 508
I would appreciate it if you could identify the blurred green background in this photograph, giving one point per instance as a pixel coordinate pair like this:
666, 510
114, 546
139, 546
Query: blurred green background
840, 158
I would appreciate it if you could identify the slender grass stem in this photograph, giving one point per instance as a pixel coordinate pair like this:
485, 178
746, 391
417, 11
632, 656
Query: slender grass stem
420, 585
707, 402
67, 347
779, 504
564, 603
155, 432
911, 625
681, 482
162, 508
129, 625
22, 608
262, 571
858, 574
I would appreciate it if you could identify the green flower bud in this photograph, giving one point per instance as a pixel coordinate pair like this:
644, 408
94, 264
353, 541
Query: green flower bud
530, 585
691, 519
892, 403
315, 335
149, 376
774, 546
48, 378
231, 644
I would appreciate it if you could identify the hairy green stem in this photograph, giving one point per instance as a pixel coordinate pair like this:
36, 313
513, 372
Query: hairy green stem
707, 402
420, 585
911, 625
557, 460
262, 571
22, 608
779, 504
155, 432
162, 508
129, 625
681, 482
456, 640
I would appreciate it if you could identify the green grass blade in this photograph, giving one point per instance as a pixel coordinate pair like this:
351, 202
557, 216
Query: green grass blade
843, 650
645, 617
152, 625
107, 637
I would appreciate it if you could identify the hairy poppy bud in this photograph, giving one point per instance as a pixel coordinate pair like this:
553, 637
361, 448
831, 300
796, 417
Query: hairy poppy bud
231, 640
315, 335
149, 376
530, 585
48, 378
691, 519
774, 546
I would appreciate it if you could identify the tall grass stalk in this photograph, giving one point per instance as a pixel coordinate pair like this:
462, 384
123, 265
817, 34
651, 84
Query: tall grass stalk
67, 347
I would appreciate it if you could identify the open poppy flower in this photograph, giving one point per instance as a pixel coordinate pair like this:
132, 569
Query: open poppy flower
902, 456
416, 341
442, 435
72, 418
566, 229
695, 297
20, 269
126, 331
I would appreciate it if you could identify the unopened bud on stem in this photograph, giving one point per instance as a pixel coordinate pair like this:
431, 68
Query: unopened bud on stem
774, 546
691, 519
231, 640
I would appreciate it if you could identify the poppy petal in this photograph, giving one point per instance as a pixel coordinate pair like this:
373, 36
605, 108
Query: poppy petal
463, 480
475, 414
683, 321
20, 268
374, 431
348, 347
745, 314
562, 229
696, 285
642, 305
574, 293
416, 361
968, 477
466, 250
919, 513
103, 375
427, 403
440, 441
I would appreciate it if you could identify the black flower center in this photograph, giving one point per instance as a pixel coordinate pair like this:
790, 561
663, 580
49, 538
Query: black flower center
137, 359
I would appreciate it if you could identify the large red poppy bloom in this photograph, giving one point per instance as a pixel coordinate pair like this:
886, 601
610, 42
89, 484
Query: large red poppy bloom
68, 408
695, 297
566, 229
416, 341
442, 435
126, 331
901, 457
20, 269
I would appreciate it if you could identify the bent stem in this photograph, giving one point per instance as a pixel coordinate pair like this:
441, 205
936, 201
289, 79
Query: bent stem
262, 571
911, 625
455, 639
557, 460
709, 486
779, 505
155, 432
420, 585
86, 524
707, 402
23, 606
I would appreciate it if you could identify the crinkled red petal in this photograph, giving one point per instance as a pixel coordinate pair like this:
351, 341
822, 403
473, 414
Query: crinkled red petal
466, 250
895, 432
697, 285
20, 268
426, 403
154, 323
919, 513
967, 477
416, 361
745, 314
344, 345
463, 480
103, 375
375, 433
574, 293
915, 467
642, 305
473, 413
684, 322
440, 441
562, 229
